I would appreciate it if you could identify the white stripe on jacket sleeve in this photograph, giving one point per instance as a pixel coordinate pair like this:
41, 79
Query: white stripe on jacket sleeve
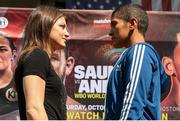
138, 56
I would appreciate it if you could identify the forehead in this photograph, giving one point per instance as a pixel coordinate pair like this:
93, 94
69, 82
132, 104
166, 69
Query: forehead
4, 41
115, 20
61, 20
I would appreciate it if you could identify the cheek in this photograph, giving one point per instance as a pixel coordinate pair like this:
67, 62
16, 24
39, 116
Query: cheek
177, 66
123, 32
177, 60
55, 35
5, 62
6, 57
55, 64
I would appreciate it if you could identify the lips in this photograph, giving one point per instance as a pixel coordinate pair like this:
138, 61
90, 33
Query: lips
64, 39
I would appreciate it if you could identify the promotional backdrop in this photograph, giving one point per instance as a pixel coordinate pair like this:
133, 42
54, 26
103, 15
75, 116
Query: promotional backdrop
91, 46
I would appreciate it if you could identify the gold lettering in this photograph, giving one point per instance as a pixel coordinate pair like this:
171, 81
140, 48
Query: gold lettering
164, 116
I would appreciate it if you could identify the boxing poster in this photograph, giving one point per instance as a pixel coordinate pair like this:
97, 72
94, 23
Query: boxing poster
91, 47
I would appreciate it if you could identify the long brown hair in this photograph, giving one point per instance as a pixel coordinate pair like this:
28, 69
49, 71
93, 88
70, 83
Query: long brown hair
39, 25
9, 39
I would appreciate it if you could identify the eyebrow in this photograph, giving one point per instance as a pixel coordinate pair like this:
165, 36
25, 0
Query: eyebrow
113, 22
2, 46
55, 56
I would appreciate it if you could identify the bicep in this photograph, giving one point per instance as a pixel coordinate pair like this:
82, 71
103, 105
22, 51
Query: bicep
34, 90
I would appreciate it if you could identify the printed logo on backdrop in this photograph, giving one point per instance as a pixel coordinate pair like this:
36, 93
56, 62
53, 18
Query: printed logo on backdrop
3, 22
101, 23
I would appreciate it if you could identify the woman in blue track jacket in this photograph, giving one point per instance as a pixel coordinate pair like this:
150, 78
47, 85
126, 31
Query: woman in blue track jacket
138, 79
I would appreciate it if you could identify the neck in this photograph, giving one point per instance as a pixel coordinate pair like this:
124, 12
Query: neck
49, 51
135, 38
5, 77
173, 96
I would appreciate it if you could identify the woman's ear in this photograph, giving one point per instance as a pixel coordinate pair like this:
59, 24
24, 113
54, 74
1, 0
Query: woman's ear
13, 60
168, 65
14, 55
69, 65
133, 23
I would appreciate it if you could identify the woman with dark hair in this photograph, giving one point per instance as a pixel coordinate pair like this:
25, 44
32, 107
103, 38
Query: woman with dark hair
41, 93
8, 97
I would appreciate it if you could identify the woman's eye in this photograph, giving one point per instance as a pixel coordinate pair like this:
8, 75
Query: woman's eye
113, 23
62, 26
55, 56
3, 50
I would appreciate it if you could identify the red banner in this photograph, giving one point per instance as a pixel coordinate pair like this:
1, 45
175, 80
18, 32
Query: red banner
94, 55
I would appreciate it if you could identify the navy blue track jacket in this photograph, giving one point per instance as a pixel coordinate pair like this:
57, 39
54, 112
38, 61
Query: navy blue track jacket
135, 85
